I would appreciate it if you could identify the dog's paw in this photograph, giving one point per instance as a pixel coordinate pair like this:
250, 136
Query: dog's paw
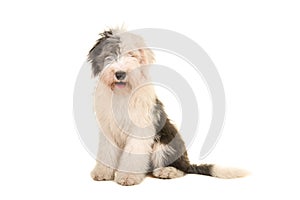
167, 173
128, 179
102, 173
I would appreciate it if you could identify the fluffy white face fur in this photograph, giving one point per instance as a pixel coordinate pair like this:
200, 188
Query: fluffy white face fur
126, 72
120, 59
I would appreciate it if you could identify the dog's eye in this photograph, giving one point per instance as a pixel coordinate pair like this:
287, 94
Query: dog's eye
131, 54
108, 58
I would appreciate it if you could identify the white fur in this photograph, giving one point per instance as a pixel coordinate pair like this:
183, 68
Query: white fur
228, 172
125, 123
102, 172
124, 178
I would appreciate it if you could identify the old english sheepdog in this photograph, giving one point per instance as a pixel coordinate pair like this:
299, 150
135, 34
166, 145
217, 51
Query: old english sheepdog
136, 135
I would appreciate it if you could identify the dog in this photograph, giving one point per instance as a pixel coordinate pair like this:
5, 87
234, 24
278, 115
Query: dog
136, 135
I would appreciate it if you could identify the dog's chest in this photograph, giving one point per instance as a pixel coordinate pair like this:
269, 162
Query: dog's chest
127, 114
123, 116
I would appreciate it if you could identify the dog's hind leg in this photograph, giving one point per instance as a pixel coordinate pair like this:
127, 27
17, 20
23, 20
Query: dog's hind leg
167, 173
161, 159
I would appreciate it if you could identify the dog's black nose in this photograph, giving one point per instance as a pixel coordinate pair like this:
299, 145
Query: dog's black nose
120, 75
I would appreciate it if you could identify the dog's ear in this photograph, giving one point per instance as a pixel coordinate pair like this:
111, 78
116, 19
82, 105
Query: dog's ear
107, 46
147, 56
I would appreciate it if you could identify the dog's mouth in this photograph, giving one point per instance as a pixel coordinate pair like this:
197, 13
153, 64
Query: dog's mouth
120, 84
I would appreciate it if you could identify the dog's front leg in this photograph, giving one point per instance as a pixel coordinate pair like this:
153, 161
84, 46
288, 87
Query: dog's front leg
134, 161
107, 159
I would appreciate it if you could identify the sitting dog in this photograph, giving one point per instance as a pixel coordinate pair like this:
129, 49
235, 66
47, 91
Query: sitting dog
136, 135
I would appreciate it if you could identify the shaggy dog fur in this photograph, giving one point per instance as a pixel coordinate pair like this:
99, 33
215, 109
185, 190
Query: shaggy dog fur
136, 135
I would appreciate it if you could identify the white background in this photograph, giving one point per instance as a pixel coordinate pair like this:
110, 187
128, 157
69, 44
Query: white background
254, 44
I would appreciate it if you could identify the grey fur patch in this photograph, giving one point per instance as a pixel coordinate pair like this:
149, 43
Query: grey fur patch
167, 135
106, 50
173, 151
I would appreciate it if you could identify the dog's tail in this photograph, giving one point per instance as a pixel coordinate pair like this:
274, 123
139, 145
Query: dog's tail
216, 171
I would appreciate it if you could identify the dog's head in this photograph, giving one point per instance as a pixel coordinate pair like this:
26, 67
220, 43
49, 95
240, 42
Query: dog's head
119, 60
